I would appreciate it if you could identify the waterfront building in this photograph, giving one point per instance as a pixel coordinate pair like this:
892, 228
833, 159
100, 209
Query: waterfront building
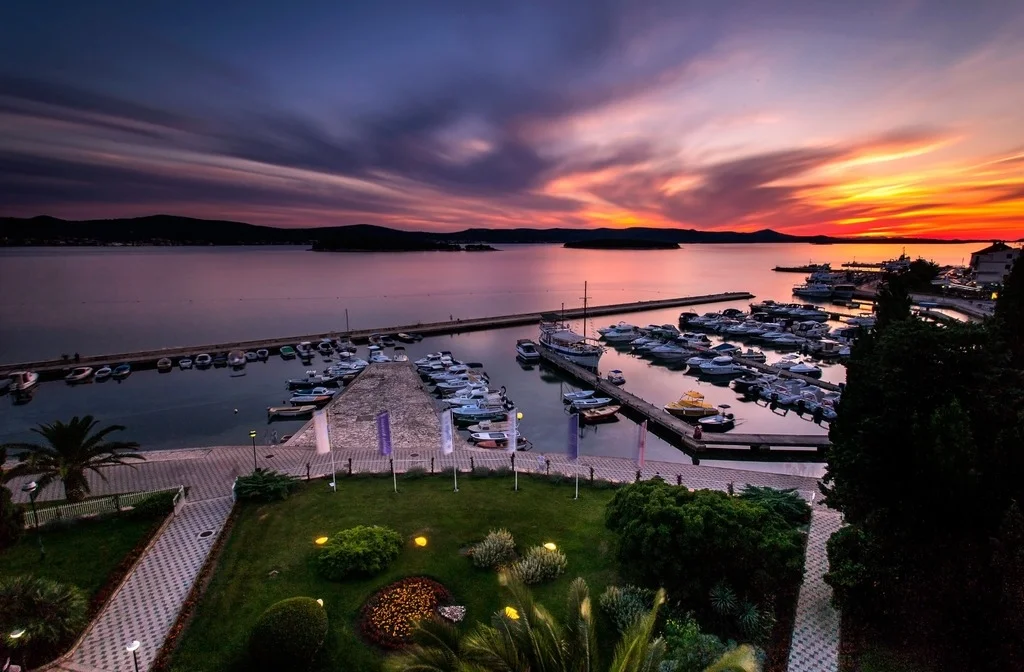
992, 264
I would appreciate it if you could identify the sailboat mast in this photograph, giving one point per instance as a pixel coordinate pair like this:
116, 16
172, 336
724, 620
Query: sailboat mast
584, 309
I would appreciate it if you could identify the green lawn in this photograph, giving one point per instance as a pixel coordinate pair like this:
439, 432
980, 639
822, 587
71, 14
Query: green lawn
83, 554
280, 536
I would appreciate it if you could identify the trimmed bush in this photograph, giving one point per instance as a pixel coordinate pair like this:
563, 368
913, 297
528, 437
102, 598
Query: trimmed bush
689, 649
289, 634
359, 551
624, 605
540, 564
787, 503
496, 550
51, 613
156, 506
264, 485
12, 519
413, 473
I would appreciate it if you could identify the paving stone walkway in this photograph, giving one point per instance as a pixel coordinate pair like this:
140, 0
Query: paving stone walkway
815, 645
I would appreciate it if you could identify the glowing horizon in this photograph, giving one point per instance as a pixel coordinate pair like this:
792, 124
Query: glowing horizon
881, 119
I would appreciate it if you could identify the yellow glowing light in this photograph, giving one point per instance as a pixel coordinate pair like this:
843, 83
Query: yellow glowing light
519, 416
320, 602
551, 546
320, 541
512, 613
420, 541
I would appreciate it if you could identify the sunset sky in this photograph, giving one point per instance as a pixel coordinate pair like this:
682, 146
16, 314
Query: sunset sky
898, 117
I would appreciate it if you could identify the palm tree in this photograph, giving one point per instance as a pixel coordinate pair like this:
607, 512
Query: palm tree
70, 450
525, 636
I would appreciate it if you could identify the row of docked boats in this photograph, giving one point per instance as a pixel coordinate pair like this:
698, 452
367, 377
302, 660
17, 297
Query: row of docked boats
692, 407
790, 392
317, 388
591, 408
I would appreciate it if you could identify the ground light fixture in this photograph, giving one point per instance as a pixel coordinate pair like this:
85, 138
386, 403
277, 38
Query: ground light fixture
512, 613
320, 541
133, 648
320, 601
420, 541
551, 546
32, 490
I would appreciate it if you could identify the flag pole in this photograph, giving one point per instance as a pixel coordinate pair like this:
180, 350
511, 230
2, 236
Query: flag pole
394, 476
455, 474
577, 464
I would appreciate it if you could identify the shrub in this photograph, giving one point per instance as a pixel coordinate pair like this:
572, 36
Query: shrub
12, 519
624, 605
51, 613
362, 550
482, 472
264, 485
540, 564
414, 473
289, 634
497, 549
155, 506
787, 503
688, 648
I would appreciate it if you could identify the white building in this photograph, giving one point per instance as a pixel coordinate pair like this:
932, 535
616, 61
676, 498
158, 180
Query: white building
992, 264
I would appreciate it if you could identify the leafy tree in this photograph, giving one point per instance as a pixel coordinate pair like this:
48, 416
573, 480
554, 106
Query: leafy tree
920, 274
693, 540
525, 636
70, 450
892, 299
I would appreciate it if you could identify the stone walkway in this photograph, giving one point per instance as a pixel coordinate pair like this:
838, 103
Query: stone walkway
815, 645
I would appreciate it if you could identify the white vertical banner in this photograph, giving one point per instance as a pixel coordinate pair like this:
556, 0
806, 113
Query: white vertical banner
513, 431
447, 433
323, 439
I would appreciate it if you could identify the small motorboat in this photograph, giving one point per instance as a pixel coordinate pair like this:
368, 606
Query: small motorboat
477, 413
316, 392
251, 356
325, 347
185, 363
400, 355
408, 338
221, 360
615, 377
263, 354
287, 352
121, 371
289, 411
570, 397
725, 349
164, 364
489, 426
204, 360
752, 355
596, 415
591, 402
720, 422
476, 437
102, 373
521, 444
722, 366
23, 381
806, 369
526, 350
236, 358
79, 374
307, 399
691, 406
379, 358
387, 341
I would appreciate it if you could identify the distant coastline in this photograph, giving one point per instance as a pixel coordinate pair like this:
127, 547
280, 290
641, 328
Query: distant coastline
627, 244
171, 230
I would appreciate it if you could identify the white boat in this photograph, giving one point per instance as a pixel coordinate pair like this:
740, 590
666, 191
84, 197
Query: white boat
695, 340
317, 392
786, 362
722, 366
23, 381
164, 364
479, 413
809, 329
592, 402
526, 350
251, 356
289, 411
103, 373
806, 369
400, 355
564, 342
184, 363
615, 377
722, 422
307, 399
204, 360
621, 334
379, 358
670, 352
79, 374
725, 349
574, 396
492, 436
236, 358
752, 355
475, 398
696, 361
813, 290
866, 321
262, 354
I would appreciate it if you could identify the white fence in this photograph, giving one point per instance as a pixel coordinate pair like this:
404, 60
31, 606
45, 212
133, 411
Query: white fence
96, 506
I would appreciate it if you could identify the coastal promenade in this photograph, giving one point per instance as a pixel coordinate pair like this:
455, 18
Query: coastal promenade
147, 605
52, 368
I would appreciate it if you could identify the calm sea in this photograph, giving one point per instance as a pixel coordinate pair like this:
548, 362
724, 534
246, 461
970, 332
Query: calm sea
101, 300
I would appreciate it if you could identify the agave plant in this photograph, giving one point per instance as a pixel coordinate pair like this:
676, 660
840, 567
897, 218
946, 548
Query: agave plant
70, 450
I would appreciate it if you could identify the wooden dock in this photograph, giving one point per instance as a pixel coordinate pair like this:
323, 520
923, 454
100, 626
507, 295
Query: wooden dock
678, 432
53, 369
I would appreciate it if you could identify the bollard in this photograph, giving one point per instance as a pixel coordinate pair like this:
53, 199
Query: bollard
391, 464
547, 466
679, 479
471, 465
729, 487
591, 475
117, 502
307, 471
638, 475
431, 465
350, 466
513, 458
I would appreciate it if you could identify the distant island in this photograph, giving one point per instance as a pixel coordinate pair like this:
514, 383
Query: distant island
624, 244
174, 230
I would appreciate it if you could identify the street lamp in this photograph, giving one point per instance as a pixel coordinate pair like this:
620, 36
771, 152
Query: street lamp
134, 649
32, 490
252, 435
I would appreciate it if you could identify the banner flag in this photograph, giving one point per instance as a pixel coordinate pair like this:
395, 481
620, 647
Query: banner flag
513, 431
447, 433
323, 441
384, 432
574, 436
642, 444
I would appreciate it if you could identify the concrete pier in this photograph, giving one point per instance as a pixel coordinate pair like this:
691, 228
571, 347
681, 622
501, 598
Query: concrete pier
53, 369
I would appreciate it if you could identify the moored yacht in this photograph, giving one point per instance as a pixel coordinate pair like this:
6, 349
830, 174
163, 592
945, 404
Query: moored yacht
526, 350
562, 341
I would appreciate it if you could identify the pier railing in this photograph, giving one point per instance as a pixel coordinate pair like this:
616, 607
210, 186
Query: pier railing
101, 505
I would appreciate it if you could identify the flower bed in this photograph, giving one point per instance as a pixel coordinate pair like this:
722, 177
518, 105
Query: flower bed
388, 617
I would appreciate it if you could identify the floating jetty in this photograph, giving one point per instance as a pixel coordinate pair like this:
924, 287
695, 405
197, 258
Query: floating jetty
765, 447
52, 369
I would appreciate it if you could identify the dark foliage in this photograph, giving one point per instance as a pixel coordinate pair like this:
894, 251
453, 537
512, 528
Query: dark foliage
787, 503
358, 551
156, 506
892, 300
289, 634
265, 485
